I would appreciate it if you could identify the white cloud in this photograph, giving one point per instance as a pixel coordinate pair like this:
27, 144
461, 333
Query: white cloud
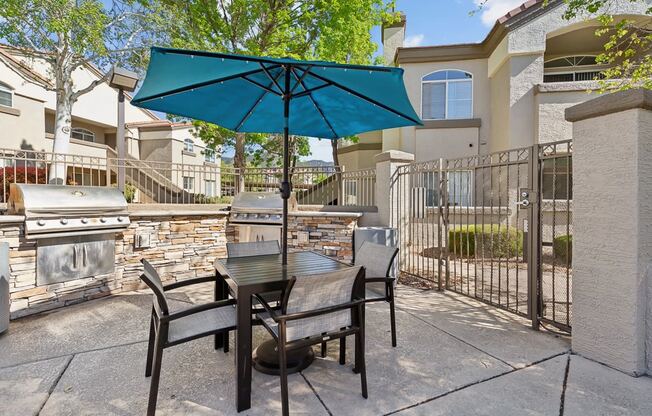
493, 9
412, 41
320, 150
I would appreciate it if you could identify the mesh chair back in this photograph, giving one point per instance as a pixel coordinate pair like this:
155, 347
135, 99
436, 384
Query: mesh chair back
151, 278
377, 259
317, 291
256, 248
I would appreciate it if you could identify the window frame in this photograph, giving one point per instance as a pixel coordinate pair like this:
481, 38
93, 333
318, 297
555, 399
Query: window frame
191, 183
210, 155
445, 82
83, 131
573, 70
8, 89
191, 148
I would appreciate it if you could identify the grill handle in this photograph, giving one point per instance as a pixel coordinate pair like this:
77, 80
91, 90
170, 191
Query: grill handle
74, 257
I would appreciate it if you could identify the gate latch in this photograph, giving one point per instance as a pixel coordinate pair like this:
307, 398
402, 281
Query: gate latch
525, 196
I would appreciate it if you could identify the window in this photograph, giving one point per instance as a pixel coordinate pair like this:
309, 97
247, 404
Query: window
572, 68
557, 175
6, 95
82, 134
188, 145
209, 155
460, 188
210, 188
188, 183
447, 95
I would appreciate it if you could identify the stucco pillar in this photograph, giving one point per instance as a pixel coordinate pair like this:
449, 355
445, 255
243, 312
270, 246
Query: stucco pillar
612, 241
526, 71
386, 164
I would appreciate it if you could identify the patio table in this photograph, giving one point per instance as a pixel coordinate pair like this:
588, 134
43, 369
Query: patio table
246, 276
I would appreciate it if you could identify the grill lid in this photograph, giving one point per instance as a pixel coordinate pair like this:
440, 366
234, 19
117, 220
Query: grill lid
261, 202
59, 210
33, 200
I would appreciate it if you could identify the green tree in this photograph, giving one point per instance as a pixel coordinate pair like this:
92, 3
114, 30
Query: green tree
67, 35
334, 30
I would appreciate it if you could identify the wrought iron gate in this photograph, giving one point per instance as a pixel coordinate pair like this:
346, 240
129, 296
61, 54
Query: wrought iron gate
493, 227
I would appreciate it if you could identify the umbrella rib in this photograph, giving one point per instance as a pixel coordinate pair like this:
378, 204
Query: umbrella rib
258, 101
364, 97
310, 91
312, 99
197, 85
299, 81
269, 75
258, 84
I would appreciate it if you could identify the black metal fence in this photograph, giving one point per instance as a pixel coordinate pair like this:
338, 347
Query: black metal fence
494, 227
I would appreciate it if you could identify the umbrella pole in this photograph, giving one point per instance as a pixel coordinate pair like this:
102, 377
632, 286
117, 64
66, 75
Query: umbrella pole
286, 187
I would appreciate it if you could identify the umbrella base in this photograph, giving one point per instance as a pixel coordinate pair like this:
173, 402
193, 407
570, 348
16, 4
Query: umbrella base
265, 358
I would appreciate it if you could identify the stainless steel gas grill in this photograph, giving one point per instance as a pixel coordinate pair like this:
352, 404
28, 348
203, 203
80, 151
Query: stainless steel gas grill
258, 216
74, 227
59, 211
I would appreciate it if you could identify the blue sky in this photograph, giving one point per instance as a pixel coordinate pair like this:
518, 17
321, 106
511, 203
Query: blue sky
436, 22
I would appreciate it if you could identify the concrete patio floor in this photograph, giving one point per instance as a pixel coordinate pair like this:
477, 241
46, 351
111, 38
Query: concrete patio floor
455, 357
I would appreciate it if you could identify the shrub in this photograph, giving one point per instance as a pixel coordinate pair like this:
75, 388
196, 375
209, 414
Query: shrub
129, 192
20, 174
489, 240
562, 247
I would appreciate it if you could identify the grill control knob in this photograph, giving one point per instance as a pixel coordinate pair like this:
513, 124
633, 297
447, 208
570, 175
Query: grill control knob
64, 221
40, 222
102, 220
84, 220
120, 219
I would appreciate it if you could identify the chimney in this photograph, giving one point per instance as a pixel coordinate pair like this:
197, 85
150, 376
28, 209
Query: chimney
393, 35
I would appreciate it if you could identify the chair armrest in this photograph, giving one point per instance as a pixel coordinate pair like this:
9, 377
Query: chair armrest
189, 282
317, 312
267, 307
379, 280
200, 308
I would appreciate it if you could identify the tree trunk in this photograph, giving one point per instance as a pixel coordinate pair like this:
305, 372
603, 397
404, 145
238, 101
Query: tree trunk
62, 130
336, 158
240, 160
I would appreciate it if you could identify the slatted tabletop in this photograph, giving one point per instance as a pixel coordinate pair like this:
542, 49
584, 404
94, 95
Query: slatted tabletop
257, 270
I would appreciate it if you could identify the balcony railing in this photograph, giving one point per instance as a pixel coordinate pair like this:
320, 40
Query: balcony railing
152, 182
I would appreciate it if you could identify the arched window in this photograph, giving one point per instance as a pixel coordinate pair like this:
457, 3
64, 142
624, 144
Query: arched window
6, 95
188, 145
447, 94
572, 68
82, 134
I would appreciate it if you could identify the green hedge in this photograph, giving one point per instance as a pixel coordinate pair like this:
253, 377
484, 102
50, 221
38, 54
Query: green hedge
489, 240
562, 246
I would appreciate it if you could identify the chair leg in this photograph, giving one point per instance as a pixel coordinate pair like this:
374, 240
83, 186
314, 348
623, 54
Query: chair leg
150, 346
282, 363
392, 314
342, 350
156, 374
323, 349
225, 338
360, 362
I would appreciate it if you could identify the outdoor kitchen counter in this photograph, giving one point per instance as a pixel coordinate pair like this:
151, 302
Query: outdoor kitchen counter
325, 214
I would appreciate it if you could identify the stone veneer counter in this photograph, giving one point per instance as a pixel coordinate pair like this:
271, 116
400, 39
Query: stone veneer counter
181, 243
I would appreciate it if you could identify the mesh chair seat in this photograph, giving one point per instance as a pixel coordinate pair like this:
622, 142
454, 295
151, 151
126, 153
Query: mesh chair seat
205, 322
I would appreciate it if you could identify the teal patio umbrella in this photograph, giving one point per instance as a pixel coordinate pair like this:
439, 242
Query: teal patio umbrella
276, 95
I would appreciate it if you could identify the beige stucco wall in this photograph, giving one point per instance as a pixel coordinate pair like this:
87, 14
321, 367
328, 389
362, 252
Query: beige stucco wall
550, 106
433, 144
499, 136
25, 130
612, 254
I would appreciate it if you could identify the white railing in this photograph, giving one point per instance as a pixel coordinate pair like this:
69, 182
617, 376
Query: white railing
178, 183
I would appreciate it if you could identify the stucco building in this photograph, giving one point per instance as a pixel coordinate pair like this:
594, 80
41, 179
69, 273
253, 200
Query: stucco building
27, 118
508, 91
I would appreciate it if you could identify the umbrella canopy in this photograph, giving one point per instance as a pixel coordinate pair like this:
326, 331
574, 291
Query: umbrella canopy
271, 95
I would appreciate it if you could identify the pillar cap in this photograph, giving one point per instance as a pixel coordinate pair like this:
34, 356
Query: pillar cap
394, 156
611, 103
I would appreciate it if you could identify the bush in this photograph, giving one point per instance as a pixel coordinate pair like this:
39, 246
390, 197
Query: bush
562, 247
21, 174
129, 192
489, 240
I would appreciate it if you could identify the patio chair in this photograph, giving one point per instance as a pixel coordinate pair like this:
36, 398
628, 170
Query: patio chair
168, 329
256, 248
314, 308
377, 260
